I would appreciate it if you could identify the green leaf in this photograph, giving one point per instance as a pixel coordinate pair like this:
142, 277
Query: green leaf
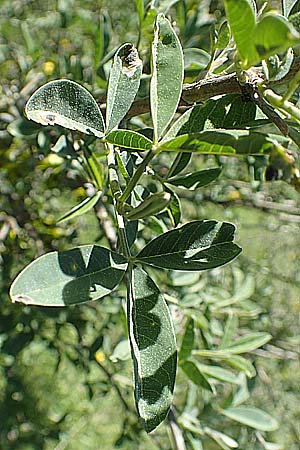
65, 103
219, 373
180, 163
241, 18
222, 439
230, 330
121, 352
82, 274
188, 339
86, 205
252, 417
198, 245
174, 208
221, 142
22, 128
129, 139
153, 349
167, 77
194, 374
287, 6
124, 82
197, 179
242, 364
274, 34
223, 36
195, 58
247, 343
140, 9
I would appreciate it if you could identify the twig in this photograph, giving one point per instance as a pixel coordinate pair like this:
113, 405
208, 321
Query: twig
176, 432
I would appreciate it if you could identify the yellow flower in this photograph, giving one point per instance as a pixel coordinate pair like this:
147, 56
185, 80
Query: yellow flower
48, 67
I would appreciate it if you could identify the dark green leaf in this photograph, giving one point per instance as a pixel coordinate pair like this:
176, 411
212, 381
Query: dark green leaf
74, 276
174, 208
194, 374
180, 163
167, 77
129, 139
287, 6
221, 142
153, 349
188, 339
124, 81
253, 417
196, 179
86, 205
65, 103
23, 128
197, 245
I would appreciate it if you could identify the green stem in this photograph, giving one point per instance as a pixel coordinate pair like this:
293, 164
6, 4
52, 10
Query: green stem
137, 175
116, 192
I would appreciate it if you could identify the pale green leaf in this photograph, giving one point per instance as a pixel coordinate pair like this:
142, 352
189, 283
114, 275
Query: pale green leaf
252, 417
221, 142
274, 34
85, 273
242, 364
241, 18
222, 439
247, 343
219, 373
153, 349
124, 82
86, 205
198, 245
129, 139
65, 103
167, 76
121, 351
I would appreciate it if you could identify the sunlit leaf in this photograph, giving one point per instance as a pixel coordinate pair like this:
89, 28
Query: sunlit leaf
167, 77
129, 139
74, 276
221, 142
198, 245
153, 349
253, 417
274, 34
65, 103
124, 81
241, 18
86, 205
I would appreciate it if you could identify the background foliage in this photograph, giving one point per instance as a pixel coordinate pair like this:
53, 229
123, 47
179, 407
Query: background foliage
48, 354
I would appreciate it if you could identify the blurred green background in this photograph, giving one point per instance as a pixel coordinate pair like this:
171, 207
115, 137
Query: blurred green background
59, 385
